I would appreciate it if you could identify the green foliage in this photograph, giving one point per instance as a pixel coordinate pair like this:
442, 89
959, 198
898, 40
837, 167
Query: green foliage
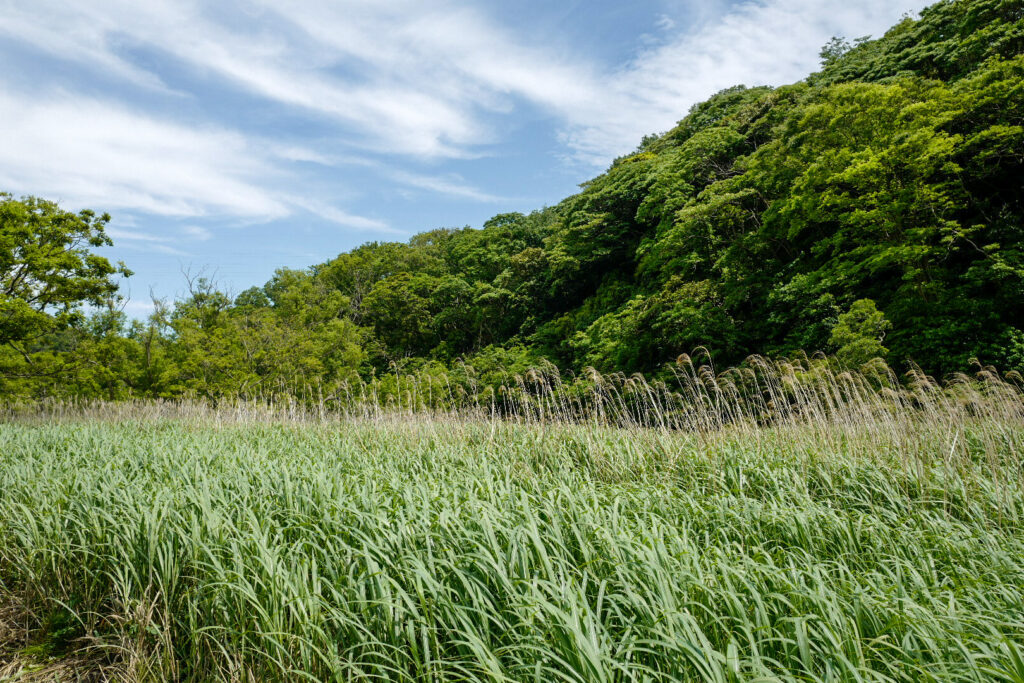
858, 335
57, 635
684, 315
47, 268
948, 42
398, 308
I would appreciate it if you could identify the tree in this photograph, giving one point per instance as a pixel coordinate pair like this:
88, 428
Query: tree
47, 271
859, 333
399, 310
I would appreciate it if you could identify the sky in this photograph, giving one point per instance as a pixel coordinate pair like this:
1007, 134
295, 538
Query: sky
234, 137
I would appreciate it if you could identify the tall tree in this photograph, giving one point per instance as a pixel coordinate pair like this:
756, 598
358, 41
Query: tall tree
48, 270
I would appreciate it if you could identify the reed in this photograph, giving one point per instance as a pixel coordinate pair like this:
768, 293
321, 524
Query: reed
783, 521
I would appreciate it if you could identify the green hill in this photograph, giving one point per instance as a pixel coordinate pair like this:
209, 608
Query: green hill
893, 174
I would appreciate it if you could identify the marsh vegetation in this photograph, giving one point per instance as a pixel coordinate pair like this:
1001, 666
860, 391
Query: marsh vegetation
863, 536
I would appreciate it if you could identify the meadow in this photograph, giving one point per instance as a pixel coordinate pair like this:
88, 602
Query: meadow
821, 528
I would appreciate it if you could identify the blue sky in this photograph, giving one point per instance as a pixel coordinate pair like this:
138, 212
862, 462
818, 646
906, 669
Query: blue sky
239, 136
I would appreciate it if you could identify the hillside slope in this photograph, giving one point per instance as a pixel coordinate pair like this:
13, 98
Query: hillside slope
894, 174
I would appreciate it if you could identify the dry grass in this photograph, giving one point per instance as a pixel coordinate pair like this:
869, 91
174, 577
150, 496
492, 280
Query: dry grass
22, 660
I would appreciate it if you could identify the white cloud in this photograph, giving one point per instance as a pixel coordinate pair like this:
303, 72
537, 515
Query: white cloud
265, 53
133, 236
85, 152
402, 78
760, 42
164, 249
141, 241
197, 233
451, 185
341, 217
65, 34
307, 155
82, 151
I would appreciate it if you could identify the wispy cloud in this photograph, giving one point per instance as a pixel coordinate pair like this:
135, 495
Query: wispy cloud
158, 248
197, 233
758, 42
409, 95
85, 151
400, 79
340, 217
450, 184
133, 236
66, 34
134, 240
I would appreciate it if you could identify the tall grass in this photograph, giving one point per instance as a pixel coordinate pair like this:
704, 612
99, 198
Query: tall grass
688, 396
775, 524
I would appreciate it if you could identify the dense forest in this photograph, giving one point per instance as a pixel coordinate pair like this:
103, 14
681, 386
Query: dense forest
872, 209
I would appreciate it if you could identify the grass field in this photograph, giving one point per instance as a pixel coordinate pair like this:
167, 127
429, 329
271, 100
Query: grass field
137, 546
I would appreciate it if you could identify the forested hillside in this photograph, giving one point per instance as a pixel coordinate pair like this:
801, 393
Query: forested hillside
874, 208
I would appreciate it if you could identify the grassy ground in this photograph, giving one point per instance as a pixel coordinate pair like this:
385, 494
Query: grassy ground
451, 549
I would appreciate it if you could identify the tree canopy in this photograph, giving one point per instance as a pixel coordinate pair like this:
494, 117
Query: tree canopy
47, 269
